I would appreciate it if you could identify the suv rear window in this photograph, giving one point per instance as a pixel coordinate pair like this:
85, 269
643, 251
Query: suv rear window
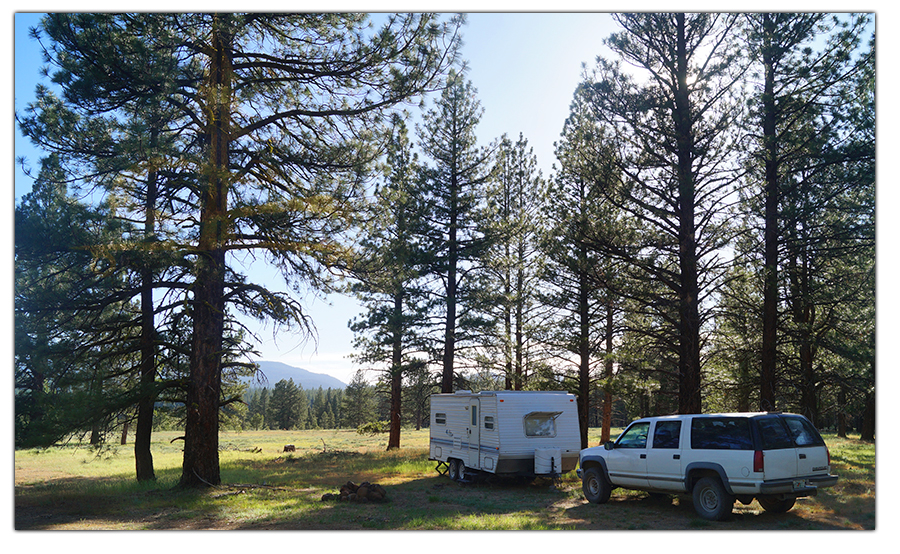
774, 434
803, 432
721, 433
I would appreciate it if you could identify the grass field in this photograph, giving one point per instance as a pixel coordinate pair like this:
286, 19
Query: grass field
75, 487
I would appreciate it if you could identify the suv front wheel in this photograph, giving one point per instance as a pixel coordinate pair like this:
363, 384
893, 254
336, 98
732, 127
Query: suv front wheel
711, 500
595, 486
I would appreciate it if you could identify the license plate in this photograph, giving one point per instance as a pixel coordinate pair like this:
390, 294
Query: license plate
800, 485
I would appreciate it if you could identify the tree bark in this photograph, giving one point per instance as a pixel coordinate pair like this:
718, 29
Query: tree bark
201, 439
867, 430
584, 347
453, 257
767, 379
396, 372
689, 307
143, 458
606, 422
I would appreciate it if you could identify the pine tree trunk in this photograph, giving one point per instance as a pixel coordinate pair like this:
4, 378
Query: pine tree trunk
584, 349
450, 322
396, 372
767, 383
143, 459
867, 430
607, 375
689, 358
201, 438
842, 412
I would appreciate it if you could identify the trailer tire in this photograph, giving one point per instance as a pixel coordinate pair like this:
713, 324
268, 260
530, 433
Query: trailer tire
454, 473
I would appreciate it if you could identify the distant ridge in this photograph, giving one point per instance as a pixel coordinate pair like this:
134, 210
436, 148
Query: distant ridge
276, 371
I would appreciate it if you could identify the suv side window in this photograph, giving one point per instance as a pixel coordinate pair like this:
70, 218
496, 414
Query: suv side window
721, 433
635, 436
666, 434
803, 432
774, 434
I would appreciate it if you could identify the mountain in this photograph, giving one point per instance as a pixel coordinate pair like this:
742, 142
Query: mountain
276, 371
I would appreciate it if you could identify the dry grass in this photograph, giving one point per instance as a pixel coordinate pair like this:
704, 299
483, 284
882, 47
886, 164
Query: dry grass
264, 488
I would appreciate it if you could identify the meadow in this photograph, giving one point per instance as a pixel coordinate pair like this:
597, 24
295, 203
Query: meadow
76, 487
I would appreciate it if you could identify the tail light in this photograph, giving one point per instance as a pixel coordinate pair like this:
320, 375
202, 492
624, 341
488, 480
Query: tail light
828, 453
758, 464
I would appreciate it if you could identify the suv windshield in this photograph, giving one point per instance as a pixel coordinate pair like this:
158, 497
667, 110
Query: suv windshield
635, 436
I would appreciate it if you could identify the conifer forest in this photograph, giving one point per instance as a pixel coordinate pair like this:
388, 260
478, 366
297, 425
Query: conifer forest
705, 241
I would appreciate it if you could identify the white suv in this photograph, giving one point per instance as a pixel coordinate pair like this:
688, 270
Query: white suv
718, 458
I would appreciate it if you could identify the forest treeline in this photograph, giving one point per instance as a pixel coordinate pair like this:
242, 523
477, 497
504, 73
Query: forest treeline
705, 242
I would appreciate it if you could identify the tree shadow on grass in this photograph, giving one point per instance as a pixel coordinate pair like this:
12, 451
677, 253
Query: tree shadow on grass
285, 493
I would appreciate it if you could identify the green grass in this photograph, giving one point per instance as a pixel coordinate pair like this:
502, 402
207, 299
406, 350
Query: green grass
77, 487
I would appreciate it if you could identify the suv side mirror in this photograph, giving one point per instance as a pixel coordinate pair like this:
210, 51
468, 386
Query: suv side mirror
609, 445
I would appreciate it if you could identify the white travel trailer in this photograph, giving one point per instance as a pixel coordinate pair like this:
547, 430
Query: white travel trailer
509, 433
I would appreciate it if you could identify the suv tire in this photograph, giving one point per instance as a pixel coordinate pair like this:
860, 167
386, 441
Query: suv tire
711, 500
595, 486
776, 506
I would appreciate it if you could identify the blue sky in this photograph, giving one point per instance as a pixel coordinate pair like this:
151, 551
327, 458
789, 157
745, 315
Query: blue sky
525, 67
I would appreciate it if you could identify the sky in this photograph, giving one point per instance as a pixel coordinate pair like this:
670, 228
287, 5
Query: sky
525, 67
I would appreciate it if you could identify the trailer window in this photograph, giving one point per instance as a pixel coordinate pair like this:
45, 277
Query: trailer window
488, 422
541, 424
440, 419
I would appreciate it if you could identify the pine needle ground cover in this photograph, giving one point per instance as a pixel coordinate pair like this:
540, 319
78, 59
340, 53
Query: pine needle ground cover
74, 487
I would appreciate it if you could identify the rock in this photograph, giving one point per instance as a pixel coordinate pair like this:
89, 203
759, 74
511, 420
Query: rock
364, 492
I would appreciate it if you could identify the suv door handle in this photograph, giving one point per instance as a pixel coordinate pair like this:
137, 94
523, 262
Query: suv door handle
802, 456
676, 456
643, 456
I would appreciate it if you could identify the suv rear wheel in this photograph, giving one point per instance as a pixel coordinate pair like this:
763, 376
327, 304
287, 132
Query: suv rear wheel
595, 486
776, 506
711, 500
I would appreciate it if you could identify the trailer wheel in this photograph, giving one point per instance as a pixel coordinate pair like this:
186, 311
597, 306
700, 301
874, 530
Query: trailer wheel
454, 473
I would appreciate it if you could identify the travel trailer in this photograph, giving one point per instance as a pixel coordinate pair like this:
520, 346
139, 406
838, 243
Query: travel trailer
508, 433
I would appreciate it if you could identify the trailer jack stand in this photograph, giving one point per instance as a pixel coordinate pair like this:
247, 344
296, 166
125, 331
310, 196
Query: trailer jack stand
442, 468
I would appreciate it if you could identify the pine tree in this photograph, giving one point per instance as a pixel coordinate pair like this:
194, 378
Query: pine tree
672, 133
454, 239
387, 335
72, 335
284, 406
281, 118
580, 280
513, 262
358, 402
798, 143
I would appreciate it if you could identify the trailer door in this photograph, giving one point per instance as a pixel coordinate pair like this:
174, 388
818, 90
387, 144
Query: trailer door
474, 434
